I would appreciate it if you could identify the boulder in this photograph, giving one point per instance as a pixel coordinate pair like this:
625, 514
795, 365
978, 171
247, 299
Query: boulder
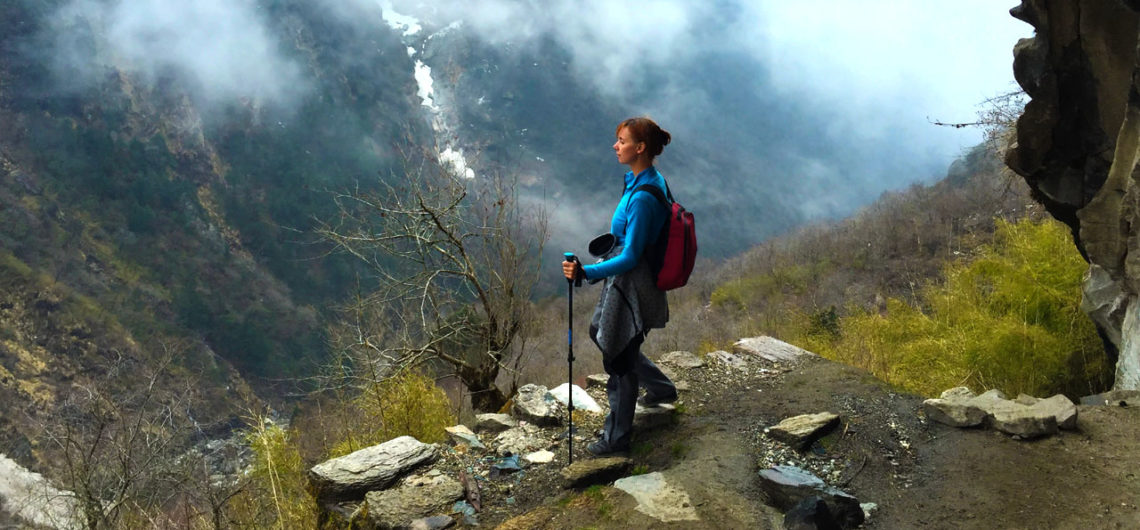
682, 359
800, 431
657, 498
582, 400
399, 507
373, 468
728, 359
770, 349
461, 435
534, 404
787, 486
585, 473
494, 423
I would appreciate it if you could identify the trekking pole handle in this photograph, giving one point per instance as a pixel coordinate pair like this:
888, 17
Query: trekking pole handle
569, 256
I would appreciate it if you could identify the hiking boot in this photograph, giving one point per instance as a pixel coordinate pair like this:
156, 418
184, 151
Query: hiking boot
601, 447
648, 401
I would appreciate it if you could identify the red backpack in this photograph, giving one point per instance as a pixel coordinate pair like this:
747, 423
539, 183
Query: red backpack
672, 256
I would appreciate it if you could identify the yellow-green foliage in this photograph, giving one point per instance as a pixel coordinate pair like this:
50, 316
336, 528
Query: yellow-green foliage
409, 403
1008, 319
742, 292
278, 497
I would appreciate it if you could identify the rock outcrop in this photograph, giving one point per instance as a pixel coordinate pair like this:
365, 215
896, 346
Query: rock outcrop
1077, 147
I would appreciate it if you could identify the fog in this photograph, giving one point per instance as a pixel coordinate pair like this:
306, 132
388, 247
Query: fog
218, 50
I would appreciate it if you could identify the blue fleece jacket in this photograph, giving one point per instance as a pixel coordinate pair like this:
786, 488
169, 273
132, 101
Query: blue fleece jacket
637, 222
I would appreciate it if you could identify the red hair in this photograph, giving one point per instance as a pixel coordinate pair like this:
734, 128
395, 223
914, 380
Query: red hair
646, 130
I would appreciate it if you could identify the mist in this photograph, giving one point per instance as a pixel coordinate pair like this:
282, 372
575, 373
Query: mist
217, 50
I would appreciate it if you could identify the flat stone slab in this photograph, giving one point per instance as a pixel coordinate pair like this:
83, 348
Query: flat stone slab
800, 431
534, 404
727, 359
653, 417
371, 468
597, 380
494, 423
591, 471
657, 498
770, 349
682, 359
787, 486
1116, 398
582, 401
398, 508
955, 408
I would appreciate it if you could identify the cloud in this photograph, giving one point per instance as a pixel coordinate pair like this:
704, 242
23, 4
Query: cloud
218, 49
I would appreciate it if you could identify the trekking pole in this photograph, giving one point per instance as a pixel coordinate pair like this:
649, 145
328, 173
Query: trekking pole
570, 284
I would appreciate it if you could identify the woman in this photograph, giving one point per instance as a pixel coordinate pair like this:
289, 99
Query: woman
630, 304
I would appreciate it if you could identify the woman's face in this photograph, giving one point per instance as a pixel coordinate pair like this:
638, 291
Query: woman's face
626, 147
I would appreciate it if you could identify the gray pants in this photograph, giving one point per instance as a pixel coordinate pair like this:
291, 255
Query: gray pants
622, 394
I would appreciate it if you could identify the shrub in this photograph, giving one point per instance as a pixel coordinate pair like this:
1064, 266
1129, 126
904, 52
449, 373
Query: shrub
409, 403
1008, 319
277, 496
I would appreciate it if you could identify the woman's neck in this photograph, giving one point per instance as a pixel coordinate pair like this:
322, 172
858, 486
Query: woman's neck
639, 165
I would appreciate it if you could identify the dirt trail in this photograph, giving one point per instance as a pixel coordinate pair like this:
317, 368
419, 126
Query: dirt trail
920, 474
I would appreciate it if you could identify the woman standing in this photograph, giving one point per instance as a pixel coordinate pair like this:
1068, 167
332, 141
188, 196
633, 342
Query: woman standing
630, 304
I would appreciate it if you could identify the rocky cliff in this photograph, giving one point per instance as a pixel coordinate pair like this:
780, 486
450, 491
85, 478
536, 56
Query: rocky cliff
1077, 146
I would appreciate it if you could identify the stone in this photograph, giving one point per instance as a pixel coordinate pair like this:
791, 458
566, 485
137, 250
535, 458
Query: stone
1020, 420
494, 423
582, 400
645, 419
597, 380
682, 386
398, 507
437, 522
787, 486
534, 404
811, 513
1061, 408
682, 359
591, 471
958, 392
955, 408
372, 468
657, 498
461, 435
520, 440
770, 349
539, 457
800, 431
1116, 398
728, 359
988, 399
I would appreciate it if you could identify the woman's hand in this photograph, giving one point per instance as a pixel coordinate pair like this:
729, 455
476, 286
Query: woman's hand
572, 269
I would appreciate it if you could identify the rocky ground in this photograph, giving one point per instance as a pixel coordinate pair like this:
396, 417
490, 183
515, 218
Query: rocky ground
918, 473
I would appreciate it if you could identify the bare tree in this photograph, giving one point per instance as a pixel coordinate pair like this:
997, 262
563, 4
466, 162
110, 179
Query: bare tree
116, 440
456, 260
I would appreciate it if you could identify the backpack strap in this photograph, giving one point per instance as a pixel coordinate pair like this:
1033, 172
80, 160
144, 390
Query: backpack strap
656, 192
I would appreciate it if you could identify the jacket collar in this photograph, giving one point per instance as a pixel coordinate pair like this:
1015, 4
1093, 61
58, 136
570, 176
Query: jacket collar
645, 177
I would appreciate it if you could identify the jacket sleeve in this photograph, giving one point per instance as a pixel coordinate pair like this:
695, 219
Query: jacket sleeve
646, 216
